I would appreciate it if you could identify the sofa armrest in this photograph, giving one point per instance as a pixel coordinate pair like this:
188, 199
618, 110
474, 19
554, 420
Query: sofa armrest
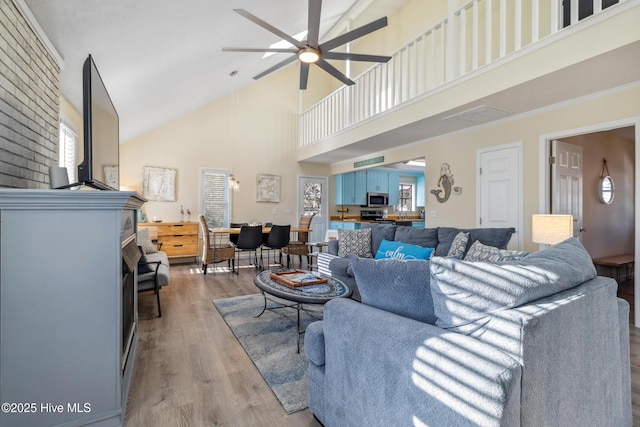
314, 343
384, 369
332, 246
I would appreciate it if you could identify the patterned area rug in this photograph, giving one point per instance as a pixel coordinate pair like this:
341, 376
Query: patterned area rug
270, 341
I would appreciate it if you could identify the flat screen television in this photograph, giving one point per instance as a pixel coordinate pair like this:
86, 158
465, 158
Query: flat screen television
100, 166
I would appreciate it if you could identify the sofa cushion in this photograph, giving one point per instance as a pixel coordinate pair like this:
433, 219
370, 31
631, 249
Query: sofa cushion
496, 237
397, 286
401, 250
143, 262
458, 245
480, 252
425, 237
380, 232
356, 242
465, 292
144, 240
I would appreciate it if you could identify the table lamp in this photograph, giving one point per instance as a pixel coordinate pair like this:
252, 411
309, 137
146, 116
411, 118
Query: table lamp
551, 229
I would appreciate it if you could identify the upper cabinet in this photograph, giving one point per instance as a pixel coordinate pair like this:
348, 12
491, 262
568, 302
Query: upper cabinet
352, 187
394, 186
360, 195
377, 181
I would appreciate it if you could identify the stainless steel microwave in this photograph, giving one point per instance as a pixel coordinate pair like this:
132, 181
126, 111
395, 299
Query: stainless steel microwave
377, 200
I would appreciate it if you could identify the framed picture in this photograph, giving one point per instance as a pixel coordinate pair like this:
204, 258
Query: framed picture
112, 177
268, 188
158, 184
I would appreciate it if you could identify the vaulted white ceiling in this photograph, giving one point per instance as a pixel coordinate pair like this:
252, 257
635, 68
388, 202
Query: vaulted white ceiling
161, 59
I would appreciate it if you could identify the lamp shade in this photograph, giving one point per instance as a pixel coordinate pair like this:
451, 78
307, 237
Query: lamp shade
551, 229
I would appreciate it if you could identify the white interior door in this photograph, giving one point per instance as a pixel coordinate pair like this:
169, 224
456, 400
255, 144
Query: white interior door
566, 182
313, 197
500, 190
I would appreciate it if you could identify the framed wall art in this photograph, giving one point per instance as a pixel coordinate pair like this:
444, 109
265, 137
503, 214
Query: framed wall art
158, 184
268, 188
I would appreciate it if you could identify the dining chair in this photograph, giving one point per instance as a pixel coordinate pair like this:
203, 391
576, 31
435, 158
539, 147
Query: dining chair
265, 236
213, 253
300, 246
278, 238
233, 238
249, 240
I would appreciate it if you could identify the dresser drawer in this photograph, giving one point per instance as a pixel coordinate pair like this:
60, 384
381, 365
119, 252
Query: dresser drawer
178, 229
180, 250
189, 239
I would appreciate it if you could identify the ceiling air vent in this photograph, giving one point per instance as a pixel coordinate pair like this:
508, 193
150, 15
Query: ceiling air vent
478, 115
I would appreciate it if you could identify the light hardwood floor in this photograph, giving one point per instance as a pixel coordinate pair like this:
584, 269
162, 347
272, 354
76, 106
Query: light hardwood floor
191, 371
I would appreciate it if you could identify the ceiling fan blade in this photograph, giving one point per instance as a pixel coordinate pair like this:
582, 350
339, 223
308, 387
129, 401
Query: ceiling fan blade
334, 72
355, 57
354, 34
313, 26
304, 75
257, 49
275, 67
269, 27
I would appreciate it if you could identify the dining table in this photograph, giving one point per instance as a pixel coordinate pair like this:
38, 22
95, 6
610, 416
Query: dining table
220, 234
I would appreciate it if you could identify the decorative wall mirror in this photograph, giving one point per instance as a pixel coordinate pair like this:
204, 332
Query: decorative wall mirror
606, 188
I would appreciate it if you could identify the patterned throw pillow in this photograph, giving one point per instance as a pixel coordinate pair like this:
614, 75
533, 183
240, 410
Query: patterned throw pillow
356, 242
480, 252
459, 245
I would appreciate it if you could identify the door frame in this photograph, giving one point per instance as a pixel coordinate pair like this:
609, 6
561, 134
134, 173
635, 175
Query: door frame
544, 181
519, 146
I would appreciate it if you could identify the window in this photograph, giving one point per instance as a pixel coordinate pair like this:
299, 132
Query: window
68, 147
405, 200
215, 203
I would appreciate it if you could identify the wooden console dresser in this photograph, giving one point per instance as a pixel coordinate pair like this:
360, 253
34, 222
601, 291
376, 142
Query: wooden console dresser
179, 239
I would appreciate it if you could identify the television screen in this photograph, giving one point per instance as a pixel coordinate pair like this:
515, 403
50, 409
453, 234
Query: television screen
100, 167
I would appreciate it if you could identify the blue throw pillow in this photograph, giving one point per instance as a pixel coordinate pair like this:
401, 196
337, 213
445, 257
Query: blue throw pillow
401, 250
396, 286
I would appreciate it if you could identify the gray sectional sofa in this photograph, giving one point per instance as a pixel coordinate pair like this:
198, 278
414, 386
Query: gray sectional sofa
446, 342
439, 238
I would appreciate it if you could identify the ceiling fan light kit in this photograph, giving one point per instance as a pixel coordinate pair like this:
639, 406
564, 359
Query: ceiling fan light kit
310, 51
308, 55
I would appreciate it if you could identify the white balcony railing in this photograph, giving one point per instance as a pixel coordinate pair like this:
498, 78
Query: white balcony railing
470, 37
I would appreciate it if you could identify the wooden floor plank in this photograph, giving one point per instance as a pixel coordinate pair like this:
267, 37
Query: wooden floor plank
191, 371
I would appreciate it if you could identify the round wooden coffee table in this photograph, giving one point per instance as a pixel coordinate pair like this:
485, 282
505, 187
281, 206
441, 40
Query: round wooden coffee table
309, 294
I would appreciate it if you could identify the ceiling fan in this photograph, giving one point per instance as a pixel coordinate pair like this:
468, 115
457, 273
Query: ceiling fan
310, 51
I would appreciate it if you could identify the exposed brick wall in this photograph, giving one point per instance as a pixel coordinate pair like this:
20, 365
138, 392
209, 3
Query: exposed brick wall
29, 103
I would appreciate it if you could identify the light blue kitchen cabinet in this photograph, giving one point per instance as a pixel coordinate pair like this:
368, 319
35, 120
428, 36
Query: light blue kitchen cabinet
394, 186
340, 225
360, 188
377, 181
349, 188
339, 189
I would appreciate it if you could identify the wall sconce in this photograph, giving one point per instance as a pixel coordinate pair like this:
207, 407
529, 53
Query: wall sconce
551, 229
